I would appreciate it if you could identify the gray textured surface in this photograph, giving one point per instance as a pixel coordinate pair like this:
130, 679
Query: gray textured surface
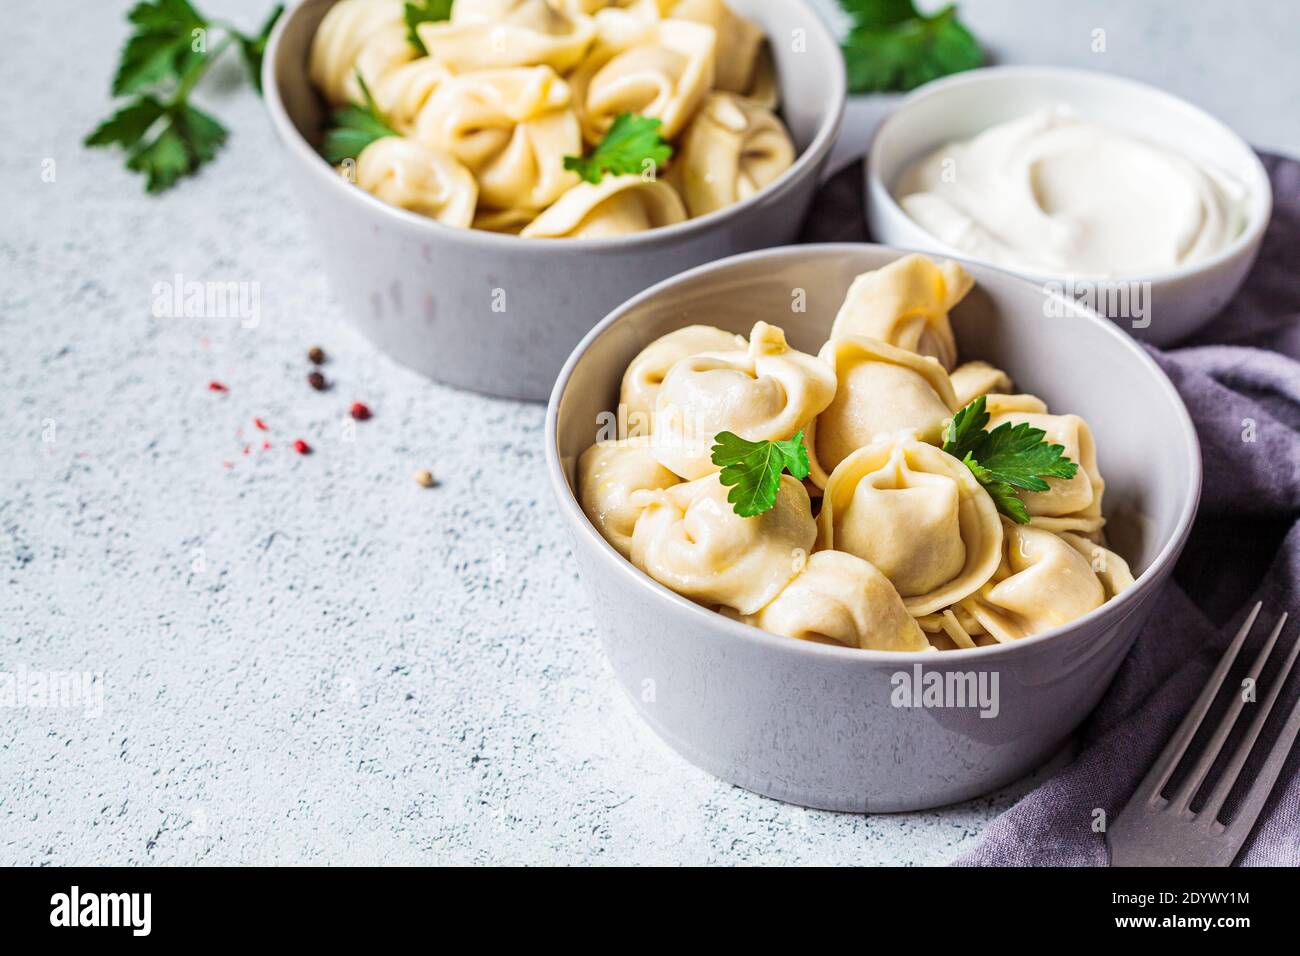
364, 671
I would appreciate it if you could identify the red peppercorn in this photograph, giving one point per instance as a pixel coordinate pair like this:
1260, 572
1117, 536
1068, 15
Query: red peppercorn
359, 411
301, 447
262, 426
215, 386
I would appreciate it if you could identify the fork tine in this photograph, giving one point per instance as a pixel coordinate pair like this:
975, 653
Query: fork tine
1164, 765
1253, 802
1226, 782
1187, 790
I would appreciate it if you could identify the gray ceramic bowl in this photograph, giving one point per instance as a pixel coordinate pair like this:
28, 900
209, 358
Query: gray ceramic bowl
431, 295
814, 724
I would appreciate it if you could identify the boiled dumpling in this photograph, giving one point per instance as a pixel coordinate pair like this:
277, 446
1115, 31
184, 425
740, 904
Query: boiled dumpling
767, 392
1112, 571
344, 34
731, 150
762, 86
881, 389
511, 128
1042, 582
647, 371
839, 598
1069, 504
970, 380
616, 206
609, 474
739, 41
415, 176
493, 34
689, 539
906, 304
401, 94
918, 515
659, 69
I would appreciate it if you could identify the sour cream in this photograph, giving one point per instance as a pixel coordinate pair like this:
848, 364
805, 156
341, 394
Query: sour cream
1052, 194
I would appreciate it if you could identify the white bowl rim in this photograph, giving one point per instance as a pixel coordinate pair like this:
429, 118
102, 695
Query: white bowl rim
1261, 189
818, 150
574, 515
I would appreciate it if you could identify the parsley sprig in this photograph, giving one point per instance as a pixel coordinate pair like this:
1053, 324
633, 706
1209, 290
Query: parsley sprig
892, 46
630, 142
356, 126
752, 469
1008, 458
424, 11
167, 53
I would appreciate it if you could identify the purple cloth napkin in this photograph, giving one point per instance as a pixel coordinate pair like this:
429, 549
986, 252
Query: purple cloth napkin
1245, 546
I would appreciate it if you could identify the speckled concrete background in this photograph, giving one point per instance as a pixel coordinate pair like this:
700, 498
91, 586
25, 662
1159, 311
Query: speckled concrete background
311, 659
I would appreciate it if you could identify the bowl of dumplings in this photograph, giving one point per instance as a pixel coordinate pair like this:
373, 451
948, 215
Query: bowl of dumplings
862, 530
489, 178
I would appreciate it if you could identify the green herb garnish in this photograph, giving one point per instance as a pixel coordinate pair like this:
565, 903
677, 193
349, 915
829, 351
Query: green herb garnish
424, 11
356, 126
168, 51
632, 140
892, 46
1007, 458
752, 469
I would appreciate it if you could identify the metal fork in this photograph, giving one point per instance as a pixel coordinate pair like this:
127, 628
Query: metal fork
1154, 831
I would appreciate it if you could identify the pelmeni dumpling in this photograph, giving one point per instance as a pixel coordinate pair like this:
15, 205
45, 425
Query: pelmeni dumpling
511, 128
647, 371
342, 36
1069, 504
494, 34
659, 69
1112, 571
918, 515
732, 149
401, 93
609, 474
906, 304
739, 41
416, 176
767, 392
762, 86
970, 380
881, 389
689, 539
616, 206
840, 599
1042, 582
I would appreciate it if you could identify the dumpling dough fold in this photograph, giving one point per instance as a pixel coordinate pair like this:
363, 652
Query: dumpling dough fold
415, 176
841, 599
689, 539
496, 34
739, 41
769, 392
340, 39
906, 304
511, 128
609, 474
970, 380
918, 515
731, 149
647, 371
616, 206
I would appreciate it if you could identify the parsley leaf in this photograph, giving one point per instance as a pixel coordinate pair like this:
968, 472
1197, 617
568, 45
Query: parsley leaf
1008, 458
752, 469
169, 50
891, 46
356, 126
630, 142
424, 11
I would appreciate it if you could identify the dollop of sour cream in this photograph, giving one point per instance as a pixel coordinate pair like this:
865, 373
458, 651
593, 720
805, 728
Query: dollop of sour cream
1050, 193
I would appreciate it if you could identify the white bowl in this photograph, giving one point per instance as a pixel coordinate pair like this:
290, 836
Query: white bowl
963, 105
819, 725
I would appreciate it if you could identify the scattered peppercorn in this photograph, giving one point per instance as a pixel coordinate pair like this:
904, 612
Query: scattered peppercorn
261, 425
301, 447
424, 478
217, 387
316, 355
359, 411
317, 381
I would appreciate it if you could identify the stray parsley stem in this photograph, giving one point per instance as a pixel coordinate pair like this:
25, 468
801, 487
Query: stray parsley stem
195, 73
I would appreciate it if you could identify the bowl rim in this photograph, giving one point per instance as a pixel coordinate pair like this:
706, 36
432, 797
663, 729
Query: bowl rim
806, 163
1261, 190
585, 531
